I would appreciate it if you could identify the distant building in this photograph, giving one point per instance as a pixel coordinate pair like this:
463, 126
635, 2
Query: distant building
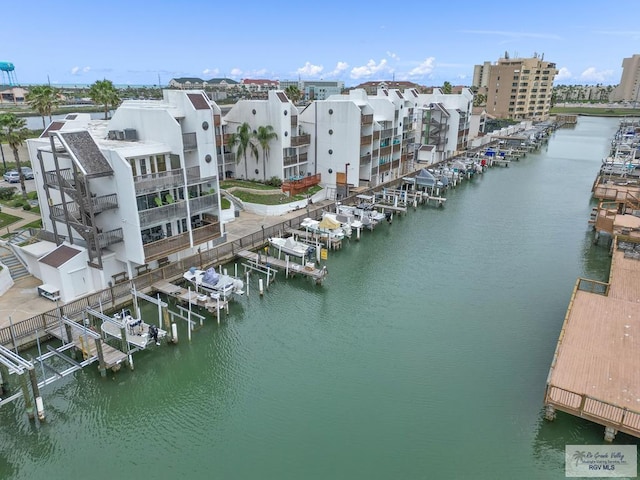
520, 88
371, 88
258, 88
194, 82
315, 89
629, 88
481, 75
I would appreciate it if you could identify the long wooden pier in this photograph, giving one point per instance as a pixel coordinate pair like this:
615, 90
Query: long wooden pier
595, 372
262, 260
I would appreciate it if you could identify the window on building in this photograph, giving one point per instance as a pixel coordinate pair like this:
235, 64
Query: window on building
143, 166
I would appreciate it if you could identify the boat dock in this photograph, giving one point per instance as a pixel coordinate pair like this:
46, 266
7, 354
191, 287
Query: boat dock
315, 238
192, 297
262, 261
594, 372
88, 342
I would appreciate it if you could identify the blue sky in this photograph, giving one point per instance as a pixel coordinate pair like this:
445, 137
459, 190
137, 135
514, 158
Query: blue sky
137, 43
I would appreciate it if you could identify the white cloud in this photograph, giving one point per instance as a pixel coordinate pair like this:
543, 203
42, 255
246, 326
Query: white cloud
425, 68
310, 70
392, 55
210, 71
591, 74
340, 67
236, 72
563, 74
80, 70
371, 68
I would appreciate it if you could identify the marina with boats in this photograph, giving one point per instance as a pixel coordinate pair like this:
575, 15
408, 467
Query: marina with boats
361, 344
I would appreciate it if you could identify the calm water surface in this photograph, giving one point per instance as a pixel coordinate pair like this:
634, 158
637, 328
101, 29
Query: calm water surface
424, 355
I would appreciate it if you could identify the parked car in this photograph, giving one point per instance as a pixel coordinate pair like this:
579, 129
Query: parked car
11, 176
27, 173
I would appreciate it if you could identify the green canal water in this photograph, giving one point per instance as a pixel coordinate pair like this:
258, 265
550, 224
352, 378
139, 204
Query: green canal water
424, 355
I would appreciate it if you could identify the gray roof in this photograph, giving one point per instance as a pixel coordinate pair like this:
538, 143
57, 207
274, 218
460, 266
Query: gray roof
87, 154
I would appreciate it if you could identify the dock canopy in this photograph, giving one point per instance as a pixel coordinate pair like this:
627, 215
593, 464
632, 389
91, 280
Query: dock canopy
425, 178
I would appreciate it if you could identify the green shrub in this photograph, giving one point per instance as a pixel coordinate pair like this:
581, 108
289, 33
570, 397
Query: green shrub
6, 193
26, 207
17, 203
274, 182
32, 195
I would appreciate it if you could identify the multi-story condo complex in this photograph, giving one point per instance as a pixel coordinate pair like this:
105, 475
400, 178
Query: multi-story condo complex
286, 155
359, 140
481, 75
520, 88
629, 88
131, 192
442, 120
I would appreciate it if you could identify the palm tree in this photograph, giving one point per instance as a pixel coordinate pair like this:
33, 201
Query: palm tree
293, 93
264, 136
446, 88
43, 99
14, 132
242, 141
104, 93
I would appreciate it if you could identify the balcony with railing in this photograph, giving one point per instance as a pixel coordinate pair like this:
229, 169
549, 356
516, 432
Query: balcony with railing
300, 140
367, 119
189, 141
203, 203
376, 135
366, 140
109, 238
223, 139
153, 182
161, 248
64, 180
365, 158
163, 213
217, 120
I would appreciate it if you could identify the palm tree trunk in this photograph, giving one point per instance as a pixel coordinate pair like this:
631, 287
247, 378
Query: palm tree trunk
106, 111
43, 124
264, 167
246, 172
19, 168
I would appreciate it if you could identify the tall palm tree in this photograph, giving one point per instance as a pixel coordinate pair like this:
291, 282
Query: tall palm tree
14, 131
293, 93
446, 88
43, 99
103, 92
243, 141
264, 135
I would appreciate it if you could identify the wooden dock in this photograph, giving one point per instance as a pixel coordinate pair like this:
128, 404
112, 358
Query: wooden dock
84, 339
187, 296
595, 372
291, 268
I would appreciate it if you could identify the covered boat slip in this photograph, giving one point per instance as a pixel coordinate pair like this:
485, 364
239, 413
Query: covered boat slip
595, 373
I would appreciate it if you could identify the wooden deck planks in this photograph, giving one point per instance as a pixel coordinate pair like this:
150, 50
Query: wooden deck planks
599, 353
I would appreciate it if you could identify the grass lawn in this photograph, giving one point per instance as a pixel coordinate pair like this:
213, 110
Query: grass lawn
6, 219
274, 198
243, 183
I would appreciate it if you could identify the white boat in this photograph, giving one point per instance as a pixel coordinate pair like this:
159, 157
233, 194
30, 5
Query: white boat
217, 285
325, 228
137, 332
291, 246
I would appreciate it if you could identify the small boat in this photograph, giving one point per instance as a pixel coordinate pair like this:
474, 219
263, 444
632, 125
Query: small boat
137, 332
217, 285
325, 228
291, 246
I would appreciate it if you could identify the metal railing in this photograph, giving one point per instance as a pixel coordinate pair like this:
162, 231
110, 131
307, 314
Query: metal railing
300, 140
160, 214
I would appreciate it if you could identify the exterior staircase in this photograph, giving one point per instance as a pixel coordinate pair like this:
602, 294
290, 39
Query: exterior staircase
9, 258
